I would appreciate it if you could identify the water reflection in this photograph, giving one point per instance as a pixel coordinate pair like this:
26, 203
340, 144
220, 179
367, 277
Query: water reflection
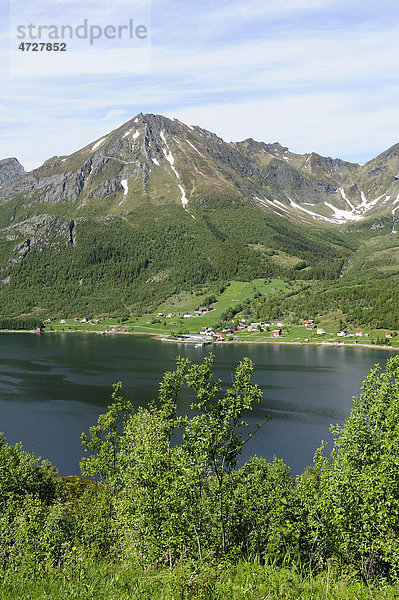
52, 387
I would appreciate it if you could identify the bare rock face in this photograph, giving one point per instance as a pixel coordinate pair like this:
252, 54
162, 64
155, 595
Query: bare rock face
51, 189
37, 233
41, 231
10, 168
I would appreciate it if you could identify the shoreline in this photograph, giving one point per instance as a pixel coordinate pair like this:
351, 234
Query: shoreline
266, 342
162, 338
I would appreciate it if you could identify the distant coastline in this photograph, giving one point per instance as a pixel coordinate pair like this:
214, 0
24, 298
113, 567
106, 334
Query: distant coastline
162, 338
283, 343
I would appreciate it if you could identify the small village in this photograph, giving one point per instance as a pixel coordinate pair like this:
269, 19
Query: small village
184, 319
275, 331
307, 331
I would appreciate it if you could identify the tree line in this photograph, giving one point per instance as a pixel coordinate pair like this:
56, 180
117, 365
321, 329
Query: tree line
20, 324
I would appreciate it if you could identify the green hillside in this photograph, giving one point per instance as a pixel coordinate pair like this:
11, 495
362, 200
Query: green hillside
130, 265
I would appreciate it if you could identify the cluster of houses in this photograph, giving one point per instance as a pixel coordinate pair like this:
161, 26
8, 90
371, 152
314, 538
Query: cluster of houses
196, 313
310, 326
265, 325
208, 333
76, 319
86, 320
228, 332
388, 334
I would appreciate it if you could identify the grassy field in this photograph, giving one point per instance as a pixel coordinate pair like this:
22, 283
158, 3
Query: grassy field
235, 293
196, 582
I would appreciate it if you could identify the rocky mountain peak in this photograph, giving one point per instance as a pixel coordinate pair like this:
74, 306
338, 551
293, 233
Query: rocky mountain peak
155, 160
10, 168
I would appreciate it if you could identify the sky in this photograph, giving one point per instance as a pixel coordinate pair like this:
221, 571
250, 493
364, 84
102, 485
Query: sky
314, 75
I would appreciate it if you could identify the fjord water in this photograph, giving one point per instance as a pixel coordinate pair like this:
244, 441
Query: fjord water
54, 386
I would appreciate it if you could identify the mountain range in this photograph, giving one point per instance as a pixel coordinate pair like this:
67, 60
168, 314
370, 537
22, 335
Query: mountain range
156, 160
163, 206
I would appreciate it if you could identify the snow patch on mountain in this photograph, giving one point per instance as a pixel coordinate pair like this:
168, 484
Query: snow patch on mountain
346, 199
356, 213
365, 205
341, 216
263, 201
170, 158
127, 133
192, 146
168, 154
184, 199
125, 186
311, 213
281, 206
98, 144
156, 162
163, 138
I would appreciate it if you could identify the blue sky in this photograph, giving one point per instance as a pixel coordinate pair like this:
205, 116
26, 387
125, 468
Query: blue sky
315, 75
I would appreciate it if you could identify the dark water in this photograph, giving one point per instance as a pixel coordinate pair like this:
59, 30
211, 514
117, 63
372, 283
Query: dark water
54, 386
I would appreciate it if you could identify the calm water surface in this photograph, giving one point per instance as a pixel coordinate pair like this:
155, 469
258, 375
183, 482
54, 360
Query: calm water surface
54, 386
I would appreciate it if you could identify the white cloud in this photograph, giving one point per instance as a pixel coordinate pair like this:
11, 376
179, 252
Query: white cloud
313, 74
330, 124
321, 58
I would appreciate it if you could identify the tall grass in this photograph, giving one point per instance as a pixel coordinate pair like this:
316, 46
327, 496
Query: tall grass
191, 580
